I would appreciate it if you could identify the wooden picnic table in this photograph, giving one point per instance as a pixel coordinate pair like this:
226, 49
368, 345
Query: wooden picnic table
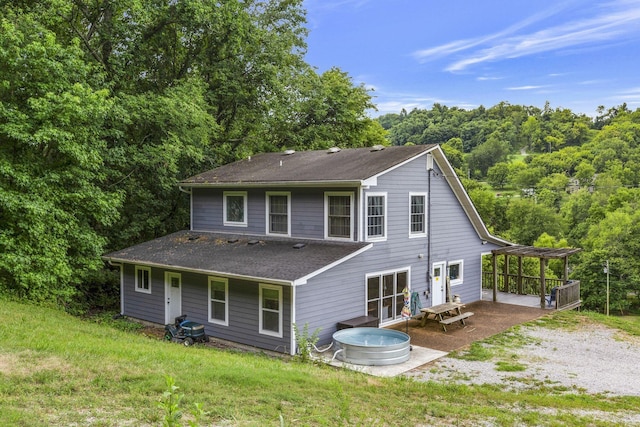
445, 314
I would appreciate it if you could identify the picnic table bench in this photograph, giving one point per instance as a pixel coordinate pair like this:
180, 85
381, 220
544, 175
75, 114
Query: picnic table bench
445, 314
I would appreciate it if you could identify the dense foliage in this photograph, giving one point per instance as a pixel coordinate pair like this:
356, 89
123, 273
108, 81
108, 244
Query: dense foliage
549, 178
105, 106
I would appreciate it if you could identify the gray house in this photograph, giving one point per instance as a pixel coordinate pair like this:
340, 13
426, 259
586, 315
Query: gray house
316, 238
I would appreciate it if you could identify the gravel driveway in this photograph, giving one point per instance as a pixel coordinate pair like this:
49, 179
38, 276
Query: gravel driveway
592, 359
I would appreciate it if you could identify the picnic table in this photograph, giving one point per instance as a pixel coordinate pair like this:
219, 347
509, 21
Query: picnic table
445, 314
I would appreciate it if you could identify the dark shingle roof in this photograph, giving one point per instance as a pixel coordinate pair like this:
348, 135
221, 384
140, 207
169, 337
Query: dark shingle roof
324, 166
237, 255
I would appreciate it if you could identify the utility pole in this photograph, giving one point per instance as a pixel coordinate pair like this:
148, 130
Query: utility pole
606, 270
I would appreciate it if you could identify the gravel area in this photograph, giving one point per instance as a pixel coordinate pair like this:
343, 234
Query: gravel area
592, 359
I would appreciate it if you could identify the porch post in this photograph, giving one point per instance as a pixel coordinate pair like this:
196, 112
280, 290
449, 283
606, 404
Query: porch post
520, 290
506, 273
495, 277
542, 284
566, 270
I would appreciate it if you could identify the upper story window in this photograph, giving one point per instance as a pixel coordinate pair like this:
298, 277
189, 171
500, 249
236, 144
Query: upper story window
376, 216
278, 213
235, 208
339, 215
455, 272
143, 279
417, 215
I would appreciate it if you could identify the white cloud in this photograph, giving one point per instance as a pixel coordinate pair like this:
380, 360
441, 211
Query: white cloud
530, 87
611, 23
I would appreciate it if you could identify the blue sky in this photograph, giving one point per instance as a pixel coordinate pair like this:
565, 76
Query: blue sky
576, 54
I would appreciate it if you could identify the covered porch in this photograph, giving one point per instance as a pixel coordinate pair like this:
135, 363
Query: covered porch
561, 294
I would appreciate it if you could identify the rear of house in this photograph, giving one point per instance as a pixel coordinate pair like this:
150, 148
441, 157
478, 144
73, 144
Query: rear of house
310, 238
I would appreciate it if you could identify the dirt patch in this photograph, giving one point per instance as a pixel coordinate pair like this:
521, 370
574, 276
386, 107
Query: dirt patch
489, 318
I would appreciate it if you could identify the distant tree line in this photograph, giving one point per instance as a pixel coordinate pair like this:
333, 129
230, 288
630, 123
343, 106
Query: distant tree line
548, 177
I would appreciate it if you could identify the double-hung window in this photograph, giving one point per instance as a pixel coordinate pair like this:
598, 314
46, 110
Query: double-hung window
376, 216
219, 301
143, 279
278, 213
417, 215
271, 310
235, 208
339, 215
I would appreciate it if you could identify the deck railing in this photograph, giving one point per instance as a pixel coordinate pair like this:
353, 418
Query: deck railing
567, 294
529, 285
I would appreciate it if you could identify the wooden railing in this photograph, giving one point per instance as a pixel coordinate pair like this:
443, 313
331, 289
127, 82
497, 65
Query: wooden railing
529, 285
567, 294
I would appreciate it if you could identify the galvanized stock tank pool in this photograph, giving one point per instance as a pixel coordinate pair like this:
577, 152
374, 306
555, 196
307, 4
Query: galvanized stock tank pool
371, 346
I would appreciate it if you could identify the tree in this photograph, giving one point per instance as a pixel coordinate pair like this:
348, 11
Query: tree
529, 220
51, 197
498, 175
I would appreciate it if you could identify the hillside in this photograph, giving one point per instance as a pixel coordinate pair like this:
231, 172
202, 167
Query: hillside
57, 370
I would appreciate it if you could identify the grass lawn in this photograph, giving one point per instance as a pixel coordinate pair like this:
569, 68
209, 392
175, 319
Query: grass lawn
58, 370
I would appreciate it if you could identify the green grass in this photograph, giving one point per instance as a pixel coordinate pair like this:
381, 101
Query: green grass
58, 370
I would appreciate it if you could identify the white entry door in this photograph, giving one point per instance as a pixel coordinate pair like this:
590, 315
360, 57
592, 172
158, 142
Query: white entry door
437, 283
173, 294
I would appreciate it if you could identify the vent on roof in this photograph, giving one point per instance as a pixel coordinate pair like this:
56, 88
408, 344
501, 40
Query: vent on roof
253, 242
232, 241
299, 245
334, 150
193, 237
377, 148
289, 152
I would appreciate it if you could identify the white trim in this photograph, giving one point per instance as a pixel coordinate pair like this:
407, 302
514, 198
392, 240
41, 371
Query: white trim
244, 221
328, 194
385, 218
261, 329
459, 280
267, 214
304, 279
137, 285
225, 281
413, 235
292, 334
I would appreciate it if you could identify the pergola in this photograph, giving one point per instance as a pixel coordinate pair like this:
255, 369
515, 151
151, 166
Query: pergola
543, 254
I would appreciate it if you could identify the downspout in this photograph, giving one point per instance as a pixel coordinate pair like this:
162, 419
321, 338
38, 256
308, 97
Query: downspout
429, 170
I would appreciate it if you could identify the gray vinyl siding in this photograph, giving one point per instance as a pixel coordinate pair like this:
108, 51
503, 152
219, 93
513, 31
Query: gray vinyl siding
307, 211
453, 239
149, 307
244, 308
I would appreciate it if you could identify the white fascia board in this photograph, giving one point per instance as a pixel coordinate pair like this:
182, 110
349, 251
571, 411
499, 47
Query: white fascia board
272, 184
303, 280
202, 271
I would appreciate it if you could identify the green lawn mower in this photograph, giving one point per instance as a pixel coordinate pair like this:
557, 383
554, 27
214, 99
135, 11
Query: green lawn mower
185, 331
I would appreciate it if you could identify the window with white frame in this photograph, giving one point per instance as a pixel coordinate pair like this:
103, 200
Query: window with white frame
235, 208
417, 215
339, 215
376, 216
385, 298
271, 310
143, 279
455, 272
219, 301
278, 213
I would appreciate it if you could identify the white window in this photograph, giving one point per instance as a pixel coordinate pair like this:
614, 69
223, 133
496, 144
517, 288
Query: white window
385, 298
235, 208
339, 215
271, 310
455, 272
143, 279
219, 301
278, 213
376, 216
417, 215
